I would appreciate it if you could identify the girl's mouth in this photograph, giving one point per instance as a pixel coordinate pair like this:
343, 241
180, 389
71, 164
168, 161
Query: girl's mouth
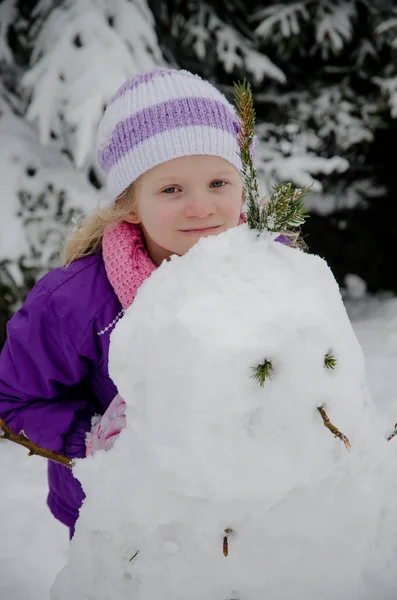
201, 229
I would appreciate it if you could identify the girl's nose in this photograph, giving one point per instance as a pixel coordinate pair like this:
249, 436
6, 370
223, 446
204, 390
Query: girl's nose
199, 207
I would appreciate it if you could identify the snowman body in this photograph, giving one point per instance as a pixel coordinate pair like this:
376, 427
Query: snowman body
221, 487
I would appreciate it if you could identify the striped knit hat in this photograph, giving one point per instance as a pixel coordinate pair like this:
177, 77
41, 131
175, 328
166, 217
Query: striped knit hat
161, 115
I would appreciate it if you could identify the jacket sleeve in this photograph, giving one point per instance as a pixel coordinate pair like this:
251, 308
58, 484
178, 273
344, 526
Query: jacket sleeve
40, 377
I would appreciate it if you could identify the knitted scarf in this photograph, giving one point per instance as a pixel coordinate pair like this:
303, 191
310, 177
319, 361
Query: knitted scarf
127, 262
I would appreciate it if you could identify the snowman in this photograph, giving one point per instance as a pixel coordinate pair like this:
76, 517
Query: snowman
253, 464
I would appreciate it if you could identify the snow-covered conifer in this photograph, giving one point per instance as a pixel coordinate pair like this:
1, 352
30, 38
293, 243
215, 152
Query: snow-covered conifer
60, 63
82, 52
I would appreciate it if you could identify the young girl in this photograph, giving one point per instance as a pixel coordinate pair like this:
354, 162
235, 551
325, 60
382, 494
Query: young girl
168, 145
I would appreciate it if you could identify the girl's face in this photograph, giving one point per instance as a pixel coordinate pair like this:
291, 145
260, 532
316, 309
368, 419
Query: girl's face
184, 199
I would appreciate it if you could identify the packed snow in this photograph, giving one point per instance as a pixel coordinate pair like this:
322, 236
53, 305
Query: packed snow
33, 545
211, 460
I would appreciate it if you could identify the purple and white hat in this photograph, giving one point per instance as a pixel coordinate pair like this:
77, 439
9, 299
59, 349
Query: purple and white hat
161, 115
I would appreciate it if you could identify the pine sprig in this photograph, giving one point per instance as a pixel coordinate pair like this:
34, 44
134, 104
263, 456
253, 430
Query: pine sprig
262, 372
246, 115
330, 361
285, 209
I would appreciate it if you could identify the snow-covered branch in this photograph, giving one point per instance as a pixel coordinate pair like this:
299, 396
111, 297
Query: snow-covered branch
82, 53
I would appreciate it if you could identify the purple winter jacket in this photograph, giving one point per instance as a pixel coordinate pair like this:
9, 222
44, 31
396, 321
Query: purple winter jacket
54, 369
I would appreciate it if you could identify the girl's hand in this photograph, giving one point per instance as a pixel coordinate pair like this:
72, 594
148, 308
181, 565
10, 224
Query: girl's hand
106, 429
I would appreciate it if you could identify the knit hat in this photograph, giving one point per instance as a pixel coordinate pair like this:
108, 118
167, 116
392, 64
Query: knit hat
160, 115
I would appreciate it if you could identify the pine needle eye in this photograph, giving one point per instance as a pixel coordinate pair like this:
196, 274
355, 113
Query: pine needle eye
262, 372
330, 361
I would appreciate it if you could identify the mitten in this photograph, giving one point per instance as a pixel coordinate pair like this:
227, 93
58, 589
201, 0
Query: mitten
106, 429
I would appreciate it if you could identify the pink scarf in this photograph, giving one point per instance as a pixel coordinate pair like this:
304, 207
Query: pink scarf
127, 262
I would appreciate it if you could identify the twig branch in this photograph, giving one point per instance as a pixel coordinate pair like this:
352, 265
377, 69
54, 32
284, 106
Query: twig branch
132, 557
225, 542
33, 448
392, 434
332, 427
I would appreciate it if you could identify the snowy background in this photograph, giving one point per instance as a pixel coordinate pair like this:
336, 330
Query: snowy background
324, 75
325, 85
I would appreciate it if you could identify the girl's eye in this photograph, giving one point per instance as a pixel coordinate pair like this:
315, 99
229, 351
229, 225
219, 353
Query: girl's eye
170, 190
218, 184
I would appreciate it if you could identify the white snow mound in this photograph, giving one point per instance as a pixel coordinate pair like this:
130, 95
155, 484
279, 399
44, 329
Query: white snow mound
208, 449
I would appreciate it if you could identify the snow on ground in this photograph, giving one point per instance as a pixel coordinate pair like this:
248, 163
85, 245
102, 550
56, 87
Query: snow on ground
33, 544
375, 323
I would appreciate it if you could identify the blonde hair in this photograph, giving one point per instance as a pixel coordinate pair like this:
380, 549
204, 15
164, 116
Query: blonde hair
88, 238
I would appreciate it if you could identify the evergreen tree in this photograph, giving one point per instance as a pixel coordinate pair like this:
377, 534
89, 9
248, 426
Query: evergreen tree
60, 62
327, 124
